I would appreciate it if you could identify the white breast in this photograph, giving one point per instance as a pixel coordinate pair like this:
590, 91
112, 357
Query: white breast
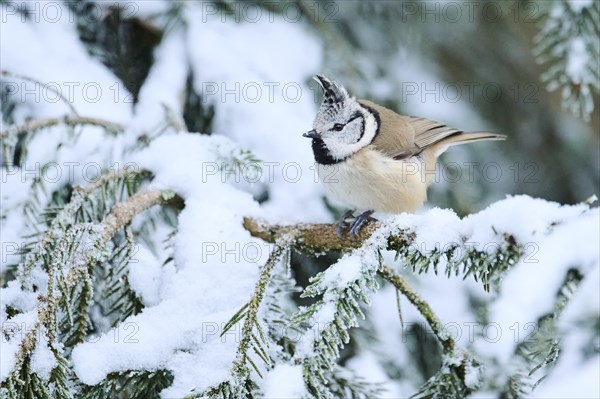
369, 180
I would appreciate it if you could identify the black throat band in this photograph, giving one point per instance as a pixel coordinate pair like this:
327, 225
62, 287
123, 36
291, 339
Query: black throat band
322, 154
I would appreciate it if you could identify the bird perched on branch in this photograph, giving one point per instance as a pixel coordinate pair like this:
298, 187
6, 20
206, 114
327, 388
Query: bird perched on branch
370, 158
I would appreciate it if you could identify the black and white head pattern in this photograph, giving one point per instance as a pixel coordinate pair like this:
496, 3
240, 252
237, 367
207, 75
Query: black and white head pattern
342, 124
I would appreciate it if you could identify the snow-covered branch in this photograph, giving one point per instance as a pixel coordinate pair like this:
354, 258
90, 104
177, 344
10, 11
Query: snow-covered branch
319, 238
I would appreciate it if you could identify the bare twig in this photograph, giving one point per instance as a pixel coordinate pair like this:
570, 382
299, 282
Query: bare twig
423, 307
46, 86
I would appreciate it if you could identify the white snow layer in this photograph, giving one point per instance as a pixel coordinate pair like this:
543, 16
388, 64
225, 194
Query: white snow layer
579, 5
187, 308
181, 332
555, 238
284, 382
577, 59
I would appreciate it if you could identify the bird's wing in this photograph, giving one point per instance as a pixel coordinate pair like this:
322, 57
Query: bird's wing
395, 135
402, 136
428, 132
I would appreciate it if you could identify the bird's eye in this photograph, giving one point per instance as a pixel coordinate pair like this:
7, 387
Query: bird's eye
338, 127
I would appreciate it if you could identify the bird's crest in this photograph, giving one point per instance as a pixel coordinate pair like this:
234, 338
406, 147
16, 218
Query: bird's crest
335, 97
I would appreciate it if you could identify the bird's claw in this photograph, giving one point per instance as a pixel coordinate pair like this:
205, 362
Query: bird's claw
342, 224
359, 222
356, 224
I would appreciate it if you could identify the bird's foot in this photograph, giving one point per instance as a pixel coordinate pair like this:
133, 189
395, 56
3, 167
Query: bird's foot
359, 222
342, 224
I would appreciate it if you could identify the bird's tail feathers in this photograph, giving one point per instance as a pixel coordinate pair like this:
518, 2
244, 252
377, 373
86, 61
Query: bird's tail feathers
471, 137
466, 138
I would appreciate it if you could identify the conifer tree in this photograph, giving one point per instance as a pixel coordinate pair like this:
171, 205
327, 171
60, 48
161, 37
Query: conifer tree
148, 268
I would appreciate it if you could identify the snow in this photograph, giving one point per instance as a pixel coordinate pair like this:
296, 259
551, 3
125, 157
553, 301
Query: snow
321, 318
577, 60
169, 70
472, 376
434, 229
578, 5
211, 244
13, 296
62, 63
547, 231
520, 302
578, 362
13, 332
42, 359
582, 383
284, 382
145, 273
585, 302
209, 250
271, 102
366, 366
345, 270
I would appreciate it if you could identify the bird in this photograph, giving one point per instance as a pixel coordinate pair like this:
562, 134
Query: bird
371, 159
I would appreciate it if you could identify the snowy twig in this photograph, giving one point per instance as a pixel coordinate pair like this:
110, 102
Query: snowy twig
34, 125
122, 214
423, 307
67, 213
253, 306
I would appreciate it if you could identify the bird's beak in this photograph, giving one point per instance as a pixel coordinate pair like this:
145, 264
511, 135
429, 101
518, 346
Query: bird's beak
311, 135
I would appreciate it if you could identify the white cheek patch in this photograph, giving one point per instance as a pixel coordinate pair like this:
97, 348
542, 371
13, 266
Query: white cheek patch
371, 127
339, 150
368, 136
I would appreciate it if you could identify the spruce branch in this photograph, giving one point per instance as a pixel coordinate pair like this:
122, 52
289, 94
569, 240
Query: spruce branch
252, 336
316, 239
64, 255
66, 216
450, 381
145, 384
123, 213
568, 44
538, 354
239, 366
422, 306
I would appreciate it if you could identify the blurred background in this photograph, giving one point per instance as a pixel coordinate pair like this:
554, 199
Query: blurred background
527, 69
485, 65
